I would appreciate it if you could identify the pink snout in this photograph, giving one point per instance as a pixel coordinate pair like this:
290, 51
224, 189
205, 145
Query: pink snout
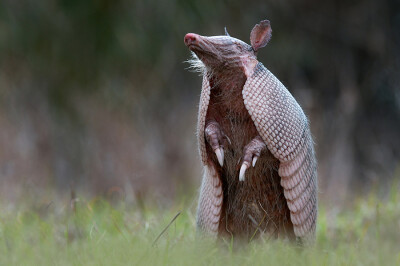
191, 38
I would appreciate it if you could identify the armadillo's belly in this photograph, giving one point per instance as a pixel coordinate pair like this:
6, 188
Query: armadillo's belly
258, 202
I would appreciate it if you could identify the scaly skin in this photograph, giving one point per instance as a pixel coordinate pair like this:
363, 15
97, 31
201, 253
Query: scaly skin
284, 128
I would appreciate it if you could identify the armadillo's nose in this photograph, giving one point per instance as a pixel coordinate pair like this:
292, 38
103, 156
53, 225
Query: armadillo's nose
190, 39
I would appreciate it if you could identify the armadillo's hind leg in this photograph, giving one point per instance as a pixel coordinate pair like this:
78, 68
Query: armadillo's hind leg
210, 202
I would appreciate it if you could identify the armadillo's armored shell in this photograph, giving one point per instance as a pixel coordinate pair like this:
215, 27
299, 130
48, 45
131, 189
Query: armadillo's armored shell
283, 126
210, 202
201, 121
211, 195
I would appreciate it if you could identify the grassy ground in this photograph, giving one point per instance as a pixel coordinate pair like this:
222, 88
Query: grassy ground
98, 233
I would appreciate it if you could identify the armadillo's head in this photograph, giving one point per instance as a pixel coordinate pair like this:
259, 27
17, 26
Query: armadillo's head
225, 52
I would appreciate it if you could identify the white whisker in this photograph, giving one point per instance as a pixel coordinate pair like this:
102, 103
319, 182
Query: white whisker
195, 64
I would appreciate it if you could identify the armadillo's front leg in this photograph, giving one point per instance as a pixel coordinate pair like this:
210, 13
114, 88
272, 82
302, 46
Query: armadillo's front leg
251, 152
215, 136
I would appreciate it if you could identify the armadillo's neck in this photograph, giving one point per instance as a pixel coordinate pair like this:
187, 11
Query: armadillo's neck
231, 79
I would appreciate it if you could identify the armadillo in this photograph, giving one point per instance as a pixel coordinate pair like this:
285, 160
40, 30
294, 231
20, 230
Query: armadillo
255, 144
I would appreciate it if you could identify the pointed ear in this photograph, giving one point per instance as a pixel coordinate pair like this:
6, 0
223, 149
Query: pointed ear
260, 35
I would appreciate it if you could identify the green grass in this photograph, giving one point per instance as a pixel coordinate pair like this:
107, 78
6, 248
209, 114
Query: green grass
100, 233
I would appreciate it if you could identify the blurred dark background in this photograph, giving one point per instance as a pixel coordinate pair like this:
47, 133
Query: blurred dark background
95, 98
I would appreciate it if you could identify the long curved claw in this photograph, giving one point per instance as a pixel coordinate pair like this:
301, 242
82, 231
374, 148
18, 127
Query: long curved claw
255, 158
228, 139
220, 156
243, 169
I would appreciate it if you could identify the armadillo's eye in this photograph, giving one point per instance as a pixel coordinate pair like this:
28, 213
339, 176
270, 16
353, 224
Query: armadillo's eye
239, 47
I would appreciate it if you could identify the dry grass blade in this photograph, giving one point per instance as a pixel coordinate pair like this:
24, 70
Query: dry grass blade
257, 225
165, 229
